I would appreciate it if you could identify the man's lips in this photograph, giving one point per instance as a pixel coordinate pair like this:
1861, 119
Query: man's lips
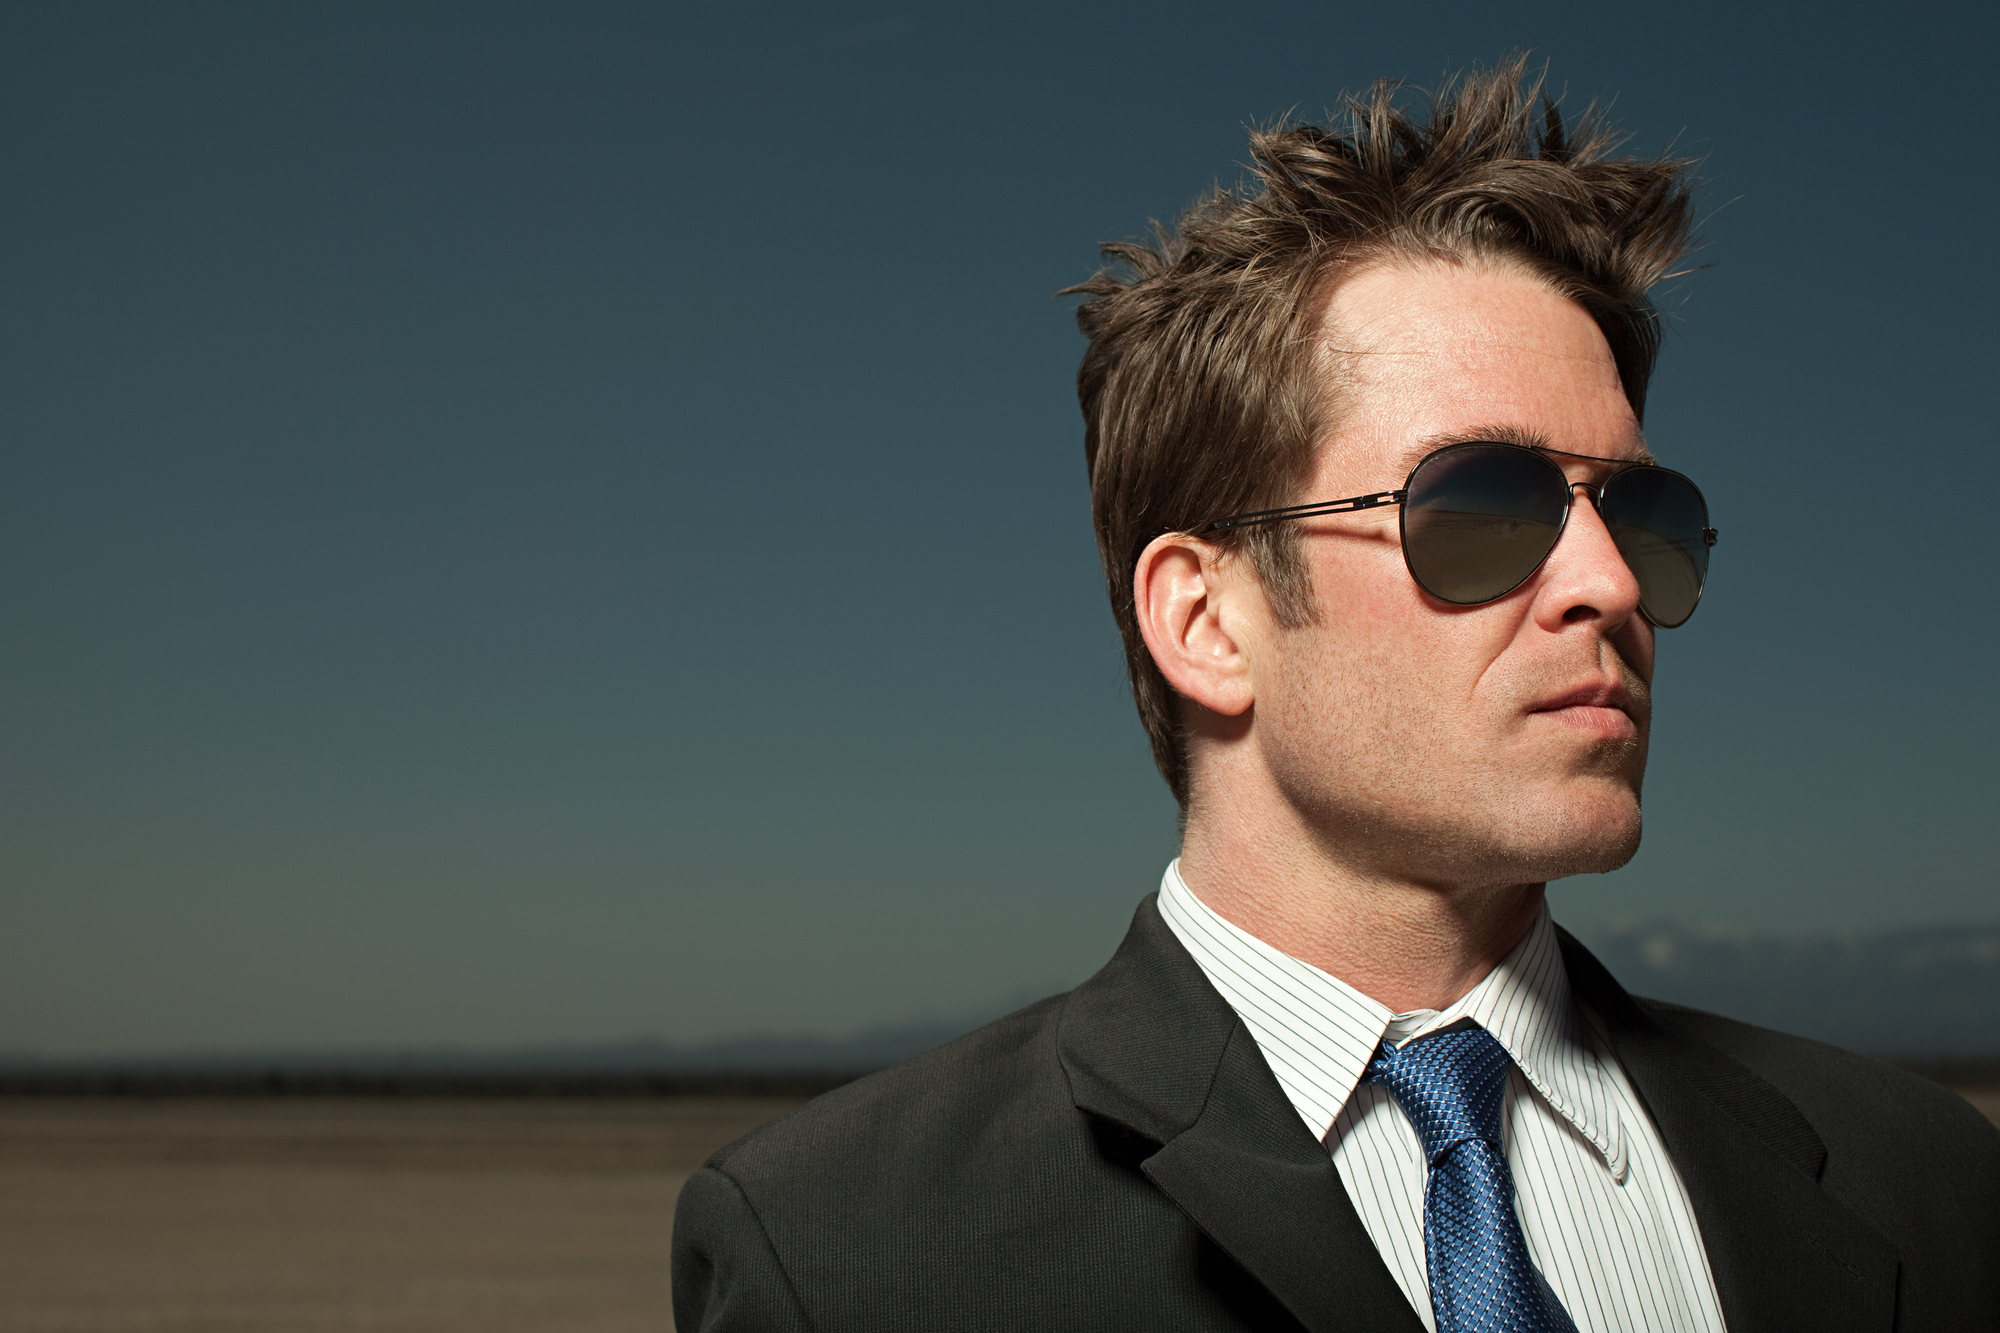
1593, 694
1603, 707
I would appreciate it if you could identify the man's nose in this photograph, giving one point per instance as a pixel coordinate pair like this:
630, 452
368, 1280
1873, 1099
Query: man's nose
1586, 577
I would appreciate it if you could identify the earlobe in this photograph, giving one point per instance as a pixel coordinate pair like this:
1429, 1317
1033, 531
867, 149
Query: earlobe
1187, 600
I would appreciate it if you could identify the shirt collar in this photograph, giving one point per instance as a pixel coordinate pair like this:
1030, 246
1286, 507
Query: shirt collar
1318, 1033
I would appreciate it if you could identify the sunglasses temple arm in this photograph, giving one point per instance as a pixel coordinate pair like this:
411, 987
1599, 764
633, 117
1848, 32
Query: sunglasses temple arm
1262, 516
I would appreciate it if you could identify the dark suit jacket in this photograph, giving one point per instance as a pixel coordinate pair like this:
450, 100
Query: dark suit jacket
1121, 1157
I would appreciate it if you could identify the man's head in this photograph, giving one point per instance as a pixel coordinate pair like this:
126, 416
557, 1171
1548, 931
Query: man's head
1378, 294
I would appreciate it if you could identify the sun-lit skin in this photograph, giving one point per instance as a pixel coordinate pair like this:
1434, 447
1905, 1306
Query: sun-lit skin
1384, 792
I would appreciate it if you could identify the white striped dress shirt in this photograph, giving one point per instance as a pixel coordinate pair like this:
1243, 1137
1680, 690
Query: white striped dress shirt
1605, 1215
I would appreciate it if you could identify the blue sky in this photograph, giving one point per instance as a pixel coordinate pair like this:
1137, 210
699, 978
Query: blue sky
560, 522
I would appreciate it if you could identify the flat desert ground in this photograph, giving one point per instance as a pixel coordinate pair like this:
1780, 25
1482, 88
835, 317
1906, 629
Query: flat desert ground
310, 1215
303, 1215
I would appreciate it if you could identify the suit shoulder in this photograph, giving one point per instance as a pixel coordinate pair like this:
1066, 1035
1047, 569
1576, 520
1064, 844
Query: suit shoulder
1850, 1099
930, 1103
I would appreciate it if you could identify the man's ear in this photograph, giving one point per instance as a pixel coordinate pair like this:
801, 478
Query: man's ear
1191, 610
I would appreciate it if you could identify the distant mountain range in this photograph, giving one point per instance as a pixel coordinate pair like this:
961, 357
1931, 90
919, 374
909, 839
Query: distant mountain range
809, 1060
1921, 994
1926, 992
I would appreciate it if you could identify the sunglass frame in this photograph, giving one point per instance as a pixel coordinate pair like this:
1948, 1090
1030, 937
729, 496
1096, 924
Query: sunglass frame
1378, 499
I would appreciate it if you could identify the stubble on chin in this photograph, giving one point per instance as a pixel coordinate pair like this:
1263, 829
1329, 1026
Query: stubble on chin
1580, 834
1418, 807
1515, 840
1397, 777
1566, 811
1573, 809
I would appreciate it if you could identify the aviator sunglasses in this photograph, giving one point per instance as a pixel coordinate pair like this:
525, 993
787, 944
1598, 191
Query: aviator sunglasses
1480, 518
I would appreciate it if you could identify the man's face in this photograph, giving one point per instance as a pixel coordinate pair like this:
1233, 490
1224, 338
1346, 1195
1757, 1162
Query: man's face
1461, 746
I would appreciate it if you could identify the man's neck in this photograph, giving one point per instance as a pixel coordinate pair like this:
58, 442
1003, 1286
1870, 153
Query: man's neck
1403, 944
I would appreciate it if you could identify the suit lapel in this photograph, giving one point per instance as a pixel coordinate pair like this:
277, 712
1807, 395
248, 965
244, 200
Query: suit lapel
1148, 1044
1785, 1253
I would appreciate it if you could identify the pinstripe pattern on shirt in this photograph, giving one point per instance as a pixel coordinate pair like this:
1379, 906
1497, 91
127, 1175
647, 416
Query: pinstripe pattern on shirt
1606, 1217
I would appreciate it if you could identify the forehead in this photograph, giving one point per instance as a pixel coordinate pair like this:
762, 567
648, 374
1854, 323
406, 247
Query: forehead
1419, 356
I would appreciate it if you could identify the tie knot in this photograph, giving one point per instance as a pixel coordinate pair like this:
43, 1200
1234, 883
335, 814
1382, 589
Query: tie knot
1449, 1085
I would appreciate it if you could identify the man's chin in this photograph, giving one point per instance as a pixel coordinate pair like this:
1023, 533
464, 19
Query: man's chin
1591, 860
1591, 845
1580, 836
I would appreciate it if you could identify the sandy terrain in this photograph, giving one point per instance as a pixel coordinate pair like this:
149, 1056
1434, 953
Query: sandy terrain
120, 1216
296, 1215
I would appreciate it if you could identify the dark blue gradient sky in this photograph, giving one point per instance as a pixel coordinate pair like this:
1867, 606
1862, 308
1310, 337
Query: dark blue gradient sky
559, 522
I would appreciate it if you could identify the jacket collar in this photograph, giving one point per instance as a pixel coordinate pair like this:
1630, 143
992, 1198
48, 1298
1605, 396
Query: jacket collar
1318, 1033
1149, 1045
1784, 1252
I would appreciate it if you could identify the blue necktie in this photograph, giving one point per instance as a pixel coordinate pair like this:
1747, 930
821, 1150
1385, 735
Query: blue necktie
1450, 1085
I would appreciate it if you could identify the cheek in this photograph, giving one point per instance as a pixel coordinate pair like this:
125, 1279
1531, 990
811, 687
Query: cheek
1323, 680
1636, 644
1364, 681
1399, 644
1357, 570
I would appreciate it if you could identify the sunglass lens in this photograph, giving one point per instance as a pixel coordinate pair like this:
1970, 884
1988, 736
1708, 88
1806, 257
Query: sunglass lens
1660, 524
1478, 519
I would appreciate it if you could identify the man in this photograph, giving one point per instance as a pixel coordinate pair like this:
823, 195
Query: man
1390, 554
